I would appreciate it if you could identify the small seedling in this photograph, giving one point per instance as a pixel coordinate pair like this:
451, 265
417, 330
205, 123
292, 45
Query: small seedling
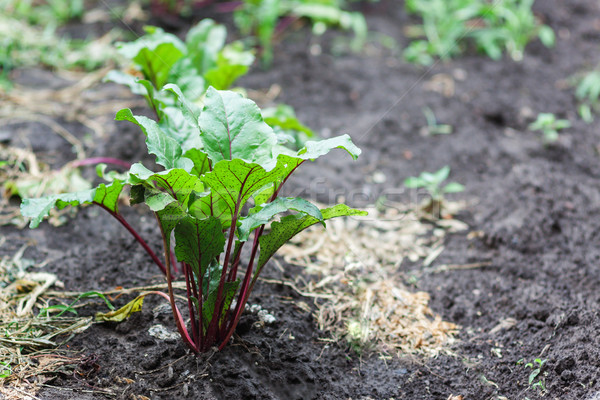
549, 125
536, 367
213, 198
433, 128
432, 182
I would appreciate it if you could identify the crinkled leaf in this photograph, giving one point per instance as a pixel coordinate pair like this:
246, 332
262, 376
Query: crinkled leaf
261, 215
177, 183
198, 242
122, 313
232, 128
289, 226
236, 181
204, 205
200, 160
37, 209
167, 151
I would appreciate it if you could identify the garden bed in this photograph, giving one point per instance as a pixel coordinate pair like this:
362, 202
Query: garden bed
521, 282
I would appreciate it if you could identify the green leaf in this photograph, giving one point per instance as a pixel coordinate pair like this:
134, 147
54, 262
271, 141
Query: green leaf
190, 110
441, 175
282, 231
232, 127
261, 215
546, 35
236, 181
37, 209
169, 217
167, 151
203, 42
177, 184
200, 160
413, 182
315, 149
453, 187
209, 306
155, 54
231, 63
199, 242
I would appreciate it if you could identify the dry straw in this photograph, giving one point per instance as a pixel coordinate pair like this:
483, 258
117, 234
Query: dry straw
357, 286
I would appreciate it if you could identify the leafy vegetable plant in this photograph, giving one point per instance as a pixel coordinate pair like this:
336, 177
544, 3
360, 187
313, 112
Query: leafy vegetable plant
203, 60
549, 125
494, 27
214, 199
432, 182
262, 18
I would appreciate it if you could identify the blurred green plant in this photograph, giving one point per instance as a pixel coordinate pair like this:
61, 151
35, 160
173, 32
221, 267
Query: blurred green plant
263, 18
549, 125
433, 127
43, 13
494, 27
28, 37
203, 59
587, 93
432, 183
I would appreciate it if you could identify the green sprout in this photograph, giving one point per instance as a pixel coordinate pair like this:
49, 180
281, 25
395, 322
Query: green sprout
433, 127
432, 183
536, 367
549, 125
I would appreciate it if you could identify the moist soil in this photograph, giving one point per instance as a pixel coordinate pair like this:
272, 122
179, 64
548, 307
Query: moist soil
533, 214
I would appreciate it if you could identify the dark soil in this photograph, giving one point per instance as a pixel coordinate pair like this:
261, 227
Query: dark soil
537, 208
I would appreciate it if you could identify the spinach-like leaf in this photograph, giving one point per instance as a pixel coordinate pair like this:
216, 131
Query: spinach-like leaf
106, 196
232, 128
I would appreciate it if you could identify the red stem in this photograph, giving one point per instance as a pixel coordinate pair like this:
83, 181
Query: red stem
189, 291
176, 314
244, 292
98, 160
179, 321
137, 237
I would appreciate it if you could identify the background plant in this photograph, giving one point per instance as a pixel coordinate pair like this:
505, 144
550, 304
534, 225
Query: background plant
432, 183
263, 18
203, 59
549, 125
28, 37
587, 93
494, 27
213, 198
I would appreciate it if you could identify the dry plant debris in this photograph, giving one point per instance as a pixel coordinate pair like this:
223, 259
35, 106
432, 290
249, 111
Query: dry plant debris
356, 285
24, 175
28, 355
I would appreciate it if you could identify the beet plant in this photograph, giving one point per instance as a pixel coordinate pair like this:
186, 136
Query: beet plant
214, 200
